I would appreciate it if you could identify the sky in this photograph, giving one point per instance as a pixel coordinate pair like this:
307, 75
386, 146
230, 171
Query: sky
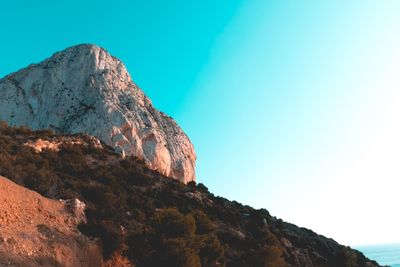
291, 105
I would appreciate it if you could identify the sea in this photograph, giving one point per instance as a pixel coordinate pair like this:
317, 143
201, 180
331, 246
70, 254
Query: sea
388, 255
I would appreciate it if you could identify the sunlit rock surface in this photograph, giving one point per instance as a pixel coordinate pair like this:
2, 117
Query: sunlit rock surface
84, 89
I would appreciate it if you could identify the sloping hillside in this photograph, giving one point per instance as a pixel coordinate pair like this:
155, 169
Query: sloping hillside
156, 221
39, 231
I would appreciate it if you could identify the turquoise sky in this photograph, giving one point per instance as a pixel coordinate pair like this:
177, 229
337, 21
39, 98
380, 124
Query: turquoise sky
291, 105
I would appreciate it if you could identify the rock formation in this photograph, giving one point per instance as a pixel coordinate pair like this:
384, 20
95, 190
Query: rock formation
84, 89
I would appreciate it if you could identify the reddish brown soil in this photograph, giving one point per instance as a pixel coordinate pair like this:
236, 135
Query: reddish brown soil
36, 231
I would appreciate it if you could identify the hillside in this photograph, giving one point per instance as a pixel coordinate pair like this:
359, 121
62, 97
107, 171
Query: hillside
39, 231
153, 220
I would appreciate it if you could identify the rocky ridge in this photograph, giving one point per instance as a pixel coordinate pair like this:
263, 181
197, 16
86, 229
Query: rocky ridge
144, 219
84, 89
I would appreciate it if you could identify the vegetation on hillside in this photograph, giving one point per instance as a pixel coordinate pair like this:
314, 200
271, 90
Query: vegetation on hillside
157, 221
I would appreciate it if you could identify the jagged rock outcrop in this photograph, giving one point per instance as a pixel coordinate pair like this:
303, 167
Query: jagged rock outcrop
40, 145
84, 89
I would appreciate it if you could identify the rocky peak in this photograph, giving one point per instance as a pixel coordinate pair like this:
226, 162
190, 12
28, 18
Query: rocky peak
83, 89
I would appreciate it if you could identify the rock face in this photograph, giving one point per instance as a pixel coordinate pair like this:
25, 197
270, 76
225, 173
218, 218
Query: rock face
40, 145
84, 89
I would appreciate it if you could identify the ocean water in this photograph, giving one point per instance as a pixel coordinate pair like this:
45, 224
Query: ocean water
383, 254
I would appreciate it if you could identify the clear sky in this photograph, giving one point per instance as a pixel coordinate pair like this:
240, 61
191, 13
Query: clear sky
291, 105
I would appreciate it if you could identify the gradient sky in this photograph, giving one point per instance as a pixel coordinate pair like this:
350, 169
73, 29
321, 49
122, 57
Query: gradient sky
292, 106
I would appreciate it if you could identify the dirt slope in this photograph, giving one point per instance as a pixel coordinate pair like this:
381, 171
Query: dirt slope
36, 231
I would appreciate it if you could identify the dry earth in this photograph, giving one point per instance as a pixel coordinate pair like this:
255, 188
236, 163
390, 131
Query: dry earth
36, 231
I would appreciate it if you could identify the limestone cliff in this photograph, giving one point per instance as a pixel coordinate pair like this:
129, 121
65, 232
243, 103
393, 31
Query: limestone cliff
84, 89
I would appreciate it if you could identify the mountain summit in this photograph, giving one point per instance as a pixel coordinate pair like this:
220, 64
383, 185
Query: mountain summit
83, 89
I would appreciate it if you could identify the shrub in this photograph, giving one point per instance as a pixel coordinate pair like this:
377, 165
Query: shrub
201, 187
175, 241
108, 232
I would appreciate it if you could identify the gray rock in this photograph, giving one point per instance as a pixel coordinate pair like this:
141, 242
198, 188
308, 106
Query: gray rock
84, 89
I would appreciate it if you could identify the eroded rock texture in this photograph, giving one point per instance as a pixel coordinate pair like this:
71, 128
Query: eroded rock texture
84, 89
